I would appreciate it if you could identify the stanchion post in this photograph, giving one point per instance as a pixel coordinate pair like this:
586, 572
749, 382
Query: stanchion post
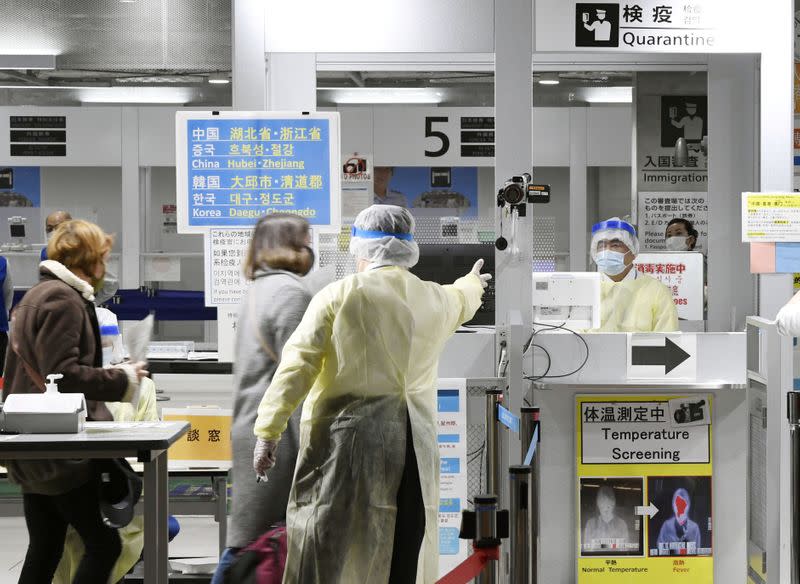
793, 412
486, 535
493, 454
519, 507
529, 422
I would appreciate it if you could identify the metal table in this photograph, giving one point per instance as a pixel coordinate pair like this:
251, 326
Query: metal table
147, 441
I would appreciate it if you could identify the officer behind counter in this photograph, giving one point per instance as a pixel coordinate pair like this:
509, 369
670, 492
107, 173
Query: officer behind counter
53, 220
629, 301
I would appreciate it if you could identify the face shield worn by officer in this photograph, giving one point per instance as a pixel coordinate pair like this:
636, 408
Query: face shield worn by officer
630, 301
365, 496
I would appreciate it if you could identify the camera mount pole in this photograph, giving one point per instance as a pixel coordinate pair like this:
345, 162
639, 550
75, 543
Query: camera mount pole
793, 413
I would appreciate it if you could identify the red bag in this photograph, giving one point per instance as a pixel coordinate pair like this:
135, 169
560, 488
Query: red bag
261, 562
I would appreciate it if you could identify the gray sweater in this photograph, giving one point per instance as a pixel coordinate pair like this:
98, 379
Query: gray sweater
269, 313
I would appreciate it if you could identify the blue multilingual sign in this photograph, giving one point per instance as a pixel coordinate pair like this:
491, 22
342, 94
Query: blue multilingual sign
239, 169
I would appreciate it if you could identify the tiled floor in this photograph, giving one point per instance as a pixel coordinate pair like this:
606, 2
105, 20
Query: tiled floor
198, 537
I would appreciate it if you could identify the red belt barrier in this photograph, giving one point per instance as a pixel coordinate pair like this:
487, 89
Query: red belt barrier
471, 567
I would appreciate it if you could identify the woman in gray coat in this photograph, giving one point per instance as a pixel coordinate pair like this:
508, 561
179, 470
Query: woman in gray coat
278, 257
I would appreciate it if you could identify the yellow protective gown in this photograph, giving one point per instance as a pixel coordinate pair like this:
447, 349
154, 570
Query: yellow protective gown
132, 535
366, 351
637, 304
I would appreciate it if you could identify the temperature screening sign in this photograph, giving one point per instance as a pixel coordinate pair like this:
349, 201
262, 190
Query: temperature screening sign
644, 489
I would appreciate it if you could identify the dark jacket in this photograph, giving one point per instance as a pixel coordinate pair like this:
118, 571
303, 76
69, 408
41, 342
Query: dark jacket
54, 330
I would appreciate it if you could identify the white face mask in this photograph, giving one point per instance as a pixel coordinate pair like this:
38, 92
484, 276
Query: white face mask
677, 243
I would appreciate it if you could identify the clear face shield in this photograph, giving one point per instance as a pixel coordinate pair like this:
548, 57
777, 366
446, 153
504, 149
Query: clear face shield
614, 246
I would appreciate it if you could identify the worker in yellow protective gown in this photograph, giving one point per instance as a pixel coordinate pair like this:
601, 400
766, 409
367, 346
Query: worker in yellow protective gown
365, 497
630, 302
132, 535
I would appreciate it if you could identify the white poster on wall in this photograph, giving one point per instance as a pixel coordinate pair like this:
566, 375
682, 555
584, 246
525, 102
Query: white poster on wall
357, 184
657, 209
453, 484
225, 252
682, 273
166, 268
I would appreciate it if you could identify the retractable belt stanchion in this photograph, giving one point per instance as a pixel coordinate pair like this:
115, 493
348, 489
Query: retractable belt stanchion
519, 508
493, 456
529, 427
485, 526
793, 402
490, 574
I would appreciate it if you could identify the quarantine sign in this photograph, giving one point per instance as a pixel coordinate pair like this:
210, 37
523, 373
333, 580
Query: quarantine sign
644, 489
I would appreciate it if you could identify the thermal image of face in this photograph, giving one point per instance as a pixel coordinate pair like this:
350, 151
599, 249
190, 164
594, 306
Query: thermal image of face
606, 503
680, 506
606, 530
679, 535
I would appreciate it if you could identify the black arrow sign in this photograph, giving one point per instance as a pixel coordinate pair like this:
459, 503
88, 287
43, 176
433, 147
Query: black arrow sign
670, 355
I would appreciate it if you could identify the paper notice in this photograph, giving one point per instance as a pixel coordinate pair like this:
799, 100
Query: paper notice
137, 339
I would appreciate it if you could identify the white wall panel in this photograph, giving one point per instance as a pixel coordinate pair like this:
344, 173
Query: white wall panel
609, 135
356, 129
550, 136
157, 136
415, 26
93, 136
87, 193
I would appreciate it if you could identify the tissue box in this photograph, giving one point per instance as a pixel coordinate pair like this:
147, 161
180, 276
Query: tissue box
45, 413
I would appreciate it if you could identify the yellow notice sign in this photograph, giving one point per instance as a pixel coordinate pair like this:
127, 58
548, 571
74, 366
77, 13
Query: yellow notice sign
770, 217
208, 441
644, 489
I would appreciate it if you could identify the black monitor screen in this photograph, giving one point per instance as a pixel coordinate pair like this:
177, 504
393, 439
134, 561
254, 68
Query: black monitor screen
17, 229
445, 263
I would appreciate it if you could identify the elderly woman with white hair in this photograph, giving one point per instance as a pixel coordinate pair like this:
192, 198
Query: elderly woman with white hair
365, 496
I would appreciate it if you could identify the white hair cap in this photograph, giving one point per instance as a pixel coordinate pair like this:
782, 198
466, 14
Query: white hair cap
614, 228
384, 235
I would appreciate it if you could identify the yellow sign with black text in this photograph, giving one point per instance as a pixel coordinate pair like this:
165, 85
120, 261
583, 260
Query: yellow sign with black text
208, 440
644, 488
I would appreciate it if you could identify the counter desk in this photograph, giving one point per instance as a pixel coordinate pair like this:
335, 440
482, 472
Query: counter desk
146, 441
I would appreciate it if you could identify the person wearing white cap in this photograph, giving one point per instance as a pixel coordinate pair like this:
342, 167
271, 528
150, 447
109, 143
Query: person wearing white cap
630, 301
601, 27
365, 497
691, 123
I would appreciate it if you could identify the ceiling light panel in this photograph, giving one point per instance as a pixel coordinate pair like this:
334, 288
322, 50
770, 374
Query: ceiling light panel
366, 95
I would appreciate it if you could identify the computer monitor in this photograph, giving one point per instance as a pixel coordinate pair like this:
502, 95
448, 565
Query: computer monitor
571, 299
445, 263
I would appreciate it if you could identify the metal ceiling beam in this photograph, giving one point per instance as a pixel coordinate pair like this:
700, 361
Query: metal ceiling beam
27, 61
28, 79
